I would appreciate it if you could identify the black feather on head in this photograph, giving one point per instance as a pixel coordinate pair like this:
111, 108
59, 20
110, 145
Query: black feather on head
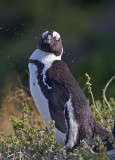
51, 42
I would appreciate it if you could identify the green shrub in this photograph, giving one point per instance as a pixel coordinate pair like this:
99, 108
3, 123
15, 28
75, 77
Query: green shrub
27, 142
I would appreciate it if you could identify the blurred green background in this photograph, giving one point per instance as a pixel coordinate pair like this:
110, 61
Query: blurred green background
87, 28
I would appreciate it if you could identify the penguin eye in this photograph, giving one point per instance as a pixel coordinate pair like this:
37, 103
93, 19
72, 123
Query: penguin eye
56, 38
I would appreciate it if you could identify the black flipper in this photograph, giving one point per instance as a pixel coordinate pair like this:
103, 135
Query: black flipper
57, 105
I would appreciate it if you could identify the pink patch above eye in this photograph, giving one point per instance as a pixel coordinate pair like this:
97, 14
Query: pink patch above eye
56, 35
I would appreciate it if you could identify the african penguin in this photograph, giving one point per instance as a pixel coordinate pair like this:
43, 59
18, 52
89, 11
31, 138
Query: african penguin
58, 96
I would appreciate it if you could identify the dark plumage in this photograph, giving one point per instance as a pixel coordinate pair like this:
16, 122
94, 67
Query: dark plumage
50, 44
64, 100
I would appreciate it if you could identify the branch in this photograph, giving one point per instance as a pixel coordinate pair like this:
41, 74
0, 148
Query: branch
104, 93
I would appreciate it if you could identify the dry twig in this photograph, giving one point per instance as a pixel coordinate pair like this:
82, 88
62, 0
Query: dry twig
104, 92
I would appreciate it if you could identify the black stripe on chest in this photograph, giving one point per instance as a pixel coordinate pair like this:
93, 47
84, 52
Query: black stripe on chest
44, 86
56, 96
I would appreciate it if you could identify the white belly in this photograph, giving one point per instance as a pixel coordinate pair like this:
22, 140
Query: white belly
42, 103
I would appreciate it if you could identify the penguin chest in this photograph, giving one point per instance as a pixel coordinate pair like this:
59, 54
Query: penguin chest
42, 102
39, 99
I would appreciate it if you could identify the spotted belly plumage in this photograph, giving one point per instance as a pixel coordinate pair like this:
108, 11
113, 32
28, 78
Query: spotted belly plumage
42, 102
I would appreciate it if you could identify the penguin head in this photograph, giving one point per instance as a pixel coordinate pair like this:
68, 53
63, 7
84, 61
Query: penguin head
50, 42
